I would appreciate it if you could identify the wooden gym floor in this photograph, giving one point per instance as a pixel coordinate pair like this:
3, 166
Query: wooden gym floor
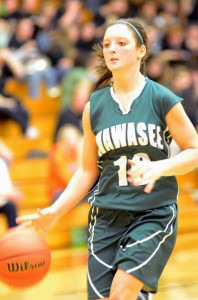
178, 282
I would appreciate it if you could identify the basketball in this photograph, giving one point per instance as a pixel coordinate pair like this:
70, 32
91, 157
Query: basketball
24, 258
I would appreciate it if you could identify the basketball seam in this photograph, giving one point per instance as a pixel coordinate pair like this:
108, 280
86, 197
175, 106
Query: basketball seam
25, 253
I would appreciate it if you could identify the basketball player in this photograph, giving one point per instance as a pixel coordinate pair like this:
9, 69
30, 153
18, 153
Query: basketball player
128, 125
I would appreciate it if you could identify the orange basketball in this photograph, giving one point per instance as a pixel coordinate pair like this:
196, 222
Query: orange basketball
24, 258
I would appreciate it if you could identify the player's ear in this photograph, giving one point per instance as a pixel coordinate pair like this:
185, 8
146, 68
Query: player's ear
142, 51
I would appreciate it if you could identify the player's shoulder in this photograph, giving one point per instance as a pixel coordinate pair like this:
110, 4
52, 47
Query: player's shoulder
161, 89
100, 93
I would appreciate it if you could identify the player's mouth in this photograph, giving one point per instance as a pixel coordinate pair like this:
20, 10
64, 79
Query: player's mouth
113, 59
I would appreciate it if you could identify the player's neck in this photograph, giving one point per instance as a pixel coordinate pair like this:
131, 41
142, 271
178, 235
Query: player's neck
127, 83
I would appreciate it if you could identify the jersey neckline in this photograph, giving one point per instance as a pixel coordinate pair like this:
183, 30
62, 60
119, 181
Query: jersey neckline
136, 96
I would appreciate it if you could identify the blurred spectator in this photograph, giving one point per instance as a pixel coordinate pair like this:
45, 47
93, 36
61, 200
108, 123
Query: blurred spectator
87, 39
37, 67
5, 33
10, 195
17, 9
194, 73
155, 39
174, 38
69, 84
168, 14
188, 11
191, 41
148, 11
62, 50
12, 108
30, 8
56, 41
73, 11
46, 16
182, 85
44, 23
73, 113
10, 65
12, 11
159, 70
173, 45
64, 159
116, 9
95, 5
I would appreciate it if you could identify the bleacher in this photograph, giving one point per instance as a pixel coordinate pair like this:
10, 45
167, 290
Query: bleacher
30, 173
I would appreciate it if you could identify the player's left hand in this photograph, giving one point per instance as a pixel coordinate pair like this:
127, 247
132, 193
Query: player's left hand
144, 173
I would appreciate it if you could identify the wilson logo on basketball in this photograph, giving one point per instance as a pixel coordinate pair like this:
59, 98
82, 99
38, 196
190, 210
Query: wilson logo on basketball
21, 267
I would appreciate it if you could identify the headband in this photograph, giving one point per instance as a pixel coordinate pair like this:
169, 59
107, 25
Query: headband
134, 28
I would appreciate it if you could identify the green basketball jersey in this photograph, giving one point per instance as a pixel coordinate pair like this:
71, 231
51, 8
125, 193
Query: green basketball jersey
142, 132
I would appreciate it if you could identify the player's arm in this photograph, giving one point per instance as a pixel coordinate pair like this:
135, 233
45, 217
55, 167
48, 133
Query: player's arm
78, 187
86, 176
185, 136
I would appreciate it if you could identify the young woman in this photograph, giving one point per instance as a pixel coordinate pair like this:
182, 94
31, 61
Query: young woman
127, 128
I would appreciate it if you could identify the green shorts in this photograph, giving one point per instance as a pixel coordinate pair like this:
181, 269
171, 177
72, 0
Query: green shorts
138, 242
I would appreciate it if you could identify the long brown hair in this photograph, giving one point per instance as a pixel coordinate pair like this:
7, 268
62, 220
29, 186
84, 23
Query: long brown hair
103, 73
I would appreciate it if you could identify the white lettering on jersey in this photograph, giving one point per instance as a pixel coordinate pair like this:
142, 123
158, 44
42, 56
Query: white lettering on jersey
118, 134
107, 140
143, 139
101, 149
130, 134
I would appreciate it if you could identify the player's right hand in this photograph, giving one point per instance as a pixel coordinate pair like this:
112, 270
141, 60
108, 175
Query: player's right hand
41, 221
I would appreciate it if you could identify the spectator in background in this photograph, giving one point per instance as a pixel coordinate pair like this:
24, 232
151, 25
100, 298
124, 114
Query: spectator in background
73, 11
182, 83
55, 41
5, 33
11, 11
12, 108
173, 49
190, 41
88, 38
174, 38
10, 65
159, 70
63, 159
194, 73
37, 67
69, 84
168, 14
73, 113
30, 8
147, 11
95, 5
116, 9
10, 195
188, 11
155, 39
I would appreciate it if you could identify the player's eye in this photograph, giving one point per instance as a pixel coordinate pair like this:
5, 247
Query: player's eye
122, 43
105, 45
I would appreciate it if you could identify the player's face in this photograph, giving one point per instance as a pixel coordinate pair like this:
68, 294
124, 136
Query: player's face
119, 47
